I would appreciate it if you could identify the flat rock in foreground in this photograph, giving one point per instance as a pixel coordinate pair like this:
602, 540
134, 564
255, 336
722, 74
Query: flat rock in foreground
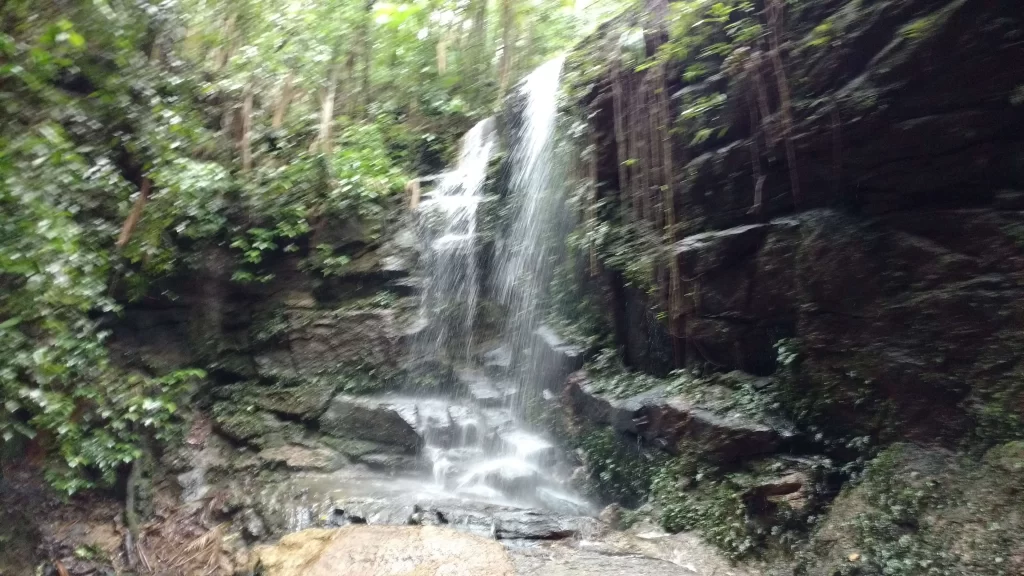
367, 550
384, 551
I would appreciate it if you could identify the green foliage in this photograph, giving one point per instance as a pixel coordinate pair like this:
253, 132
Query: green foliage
106, 102
616, 471
997, 415
896, 502
609, 376
692, 497
633, 250
573, 310
327, 262
94, 417
821, 35
926, 26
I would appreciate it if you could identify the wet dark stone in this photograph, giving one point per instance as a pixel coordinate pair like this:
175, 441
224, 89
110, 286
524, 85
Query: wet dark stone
553, 358
665, 420
370, 419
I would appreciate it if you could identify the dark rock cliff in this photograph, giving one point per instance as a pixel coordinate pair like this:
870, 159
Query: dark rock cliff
887, 261
815, 215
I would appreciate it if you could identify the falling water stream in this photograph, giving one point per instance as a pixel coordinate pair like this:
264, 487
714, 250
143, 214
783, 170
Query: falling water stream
524, 259
490, 454
446, 227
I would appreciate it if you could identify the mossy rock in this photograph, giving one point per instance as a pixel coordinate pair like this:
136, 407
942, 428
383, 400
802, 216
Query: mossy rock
250, 425
1009, 457
928, 512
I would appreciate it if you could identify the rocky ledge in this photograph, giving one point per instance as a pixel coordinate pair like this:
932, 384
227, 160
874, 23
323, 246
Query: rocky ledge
665, 418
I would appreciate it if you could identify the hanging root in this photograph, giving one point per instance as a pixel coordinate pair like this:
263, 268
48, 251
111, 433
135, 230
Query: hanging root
775, 29
752, 75
621, 148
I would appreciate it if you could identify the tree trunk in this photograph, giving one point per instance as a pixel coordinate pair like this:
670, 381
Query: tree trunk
508, 22
224, 53
478, 61
245, 143
282, 103
327, 110
442, 53
621, 144
775, 29
365, 42
134, 216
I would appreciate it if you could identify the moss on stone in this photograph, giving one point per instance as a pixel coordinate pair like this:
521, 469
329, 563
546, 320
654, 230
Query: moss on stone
242, 424
923, 512
615, 471
608, 376
930, 24
356, 448
996, 411
751, 509
248, 424
1008, 457
714, 508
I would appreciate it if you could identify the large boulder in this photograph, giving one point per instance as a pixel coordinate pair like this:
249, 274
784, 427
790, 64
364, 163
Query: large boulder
666, 419
923, 509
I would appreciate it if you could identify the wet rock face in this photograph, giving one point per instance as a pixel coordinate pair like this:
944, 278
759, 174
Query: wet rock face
554, 358
897, 270
285, 347
898, 313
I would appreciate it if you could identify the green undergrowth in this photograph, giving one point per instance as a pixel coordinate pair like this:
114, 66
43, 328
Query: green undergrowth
607, 375
689, 498
688, 493
617, 470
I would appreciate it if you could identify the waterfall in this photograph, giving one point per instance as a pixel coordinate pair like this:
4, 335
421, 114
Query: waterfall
475, 434
446, 225
524, 258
